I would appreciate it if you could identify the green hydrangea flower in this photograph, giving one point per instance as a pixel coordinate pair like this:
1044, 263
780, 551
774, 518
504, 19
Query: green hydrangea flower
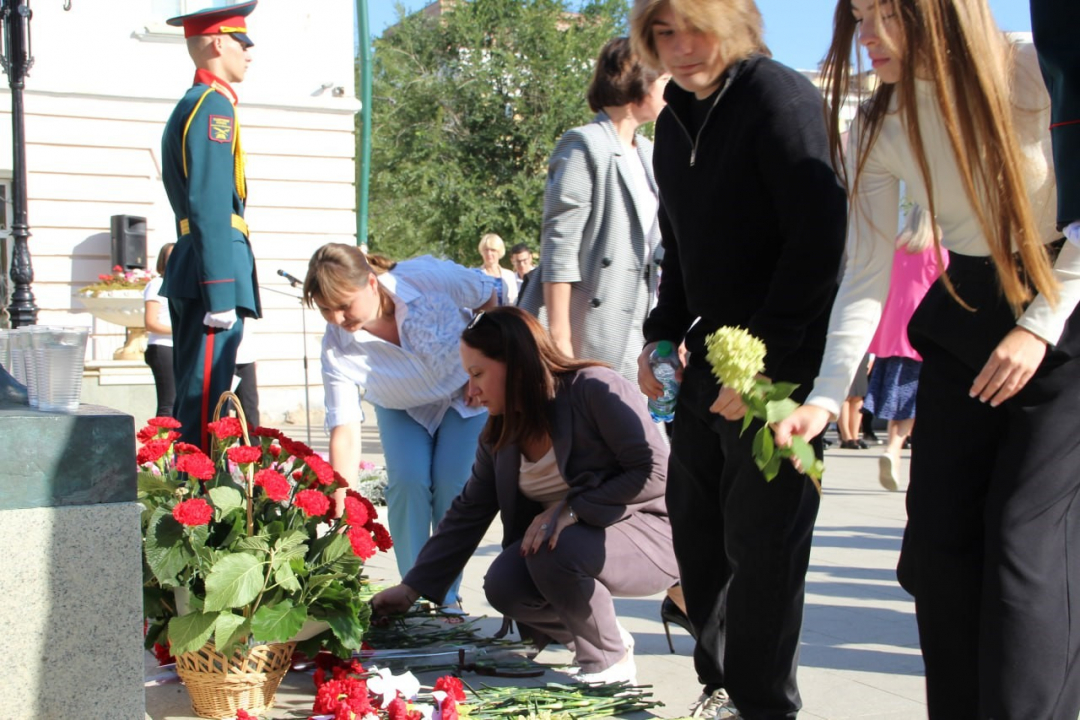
736, 356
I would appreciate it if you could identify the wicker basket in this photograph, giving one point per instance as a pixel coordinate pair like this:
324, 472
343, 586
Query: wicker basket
219, 685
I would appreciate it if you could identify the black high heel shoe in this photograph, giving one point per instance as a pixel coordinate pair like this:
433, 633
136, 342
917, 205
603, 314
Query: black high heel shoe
671, 613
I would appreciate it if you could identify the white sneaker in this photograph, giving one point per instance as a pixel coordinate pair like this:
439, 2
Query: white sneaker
715, 706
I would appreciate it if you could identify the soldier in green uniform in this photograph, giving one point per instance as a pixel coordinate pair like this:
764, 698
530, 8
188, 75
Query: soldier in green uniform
1056, 27
210, 279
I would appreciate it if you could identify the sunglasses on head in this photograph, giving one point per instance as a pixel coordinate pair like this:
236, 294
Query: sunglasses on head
475, 320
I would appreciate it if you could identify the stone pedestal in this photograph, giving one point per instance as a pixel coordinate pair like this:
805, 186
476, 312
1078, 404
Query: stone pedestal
70, 565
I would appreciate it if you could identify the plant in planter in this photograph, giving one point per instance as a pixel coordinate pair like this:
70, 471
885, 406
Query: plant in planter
120, 279
249, 532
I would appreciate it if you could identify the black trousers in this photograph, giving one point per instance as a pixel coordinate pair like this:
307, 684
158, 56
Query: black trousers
248, 392
743, 546
991, 552
160, 360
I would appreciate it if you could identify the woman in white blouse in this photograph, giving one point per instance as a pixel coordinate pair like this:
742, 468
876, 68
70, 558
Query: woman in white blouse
961, 117
492, 249
394, 334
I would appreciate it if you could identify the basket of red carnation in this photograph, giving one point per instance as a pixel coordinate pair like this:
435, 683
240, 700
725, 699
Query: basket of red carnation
249, 538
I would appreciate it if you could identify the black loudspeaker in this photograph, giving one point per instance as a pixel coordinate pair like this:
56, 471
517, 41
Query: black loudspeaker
129, 241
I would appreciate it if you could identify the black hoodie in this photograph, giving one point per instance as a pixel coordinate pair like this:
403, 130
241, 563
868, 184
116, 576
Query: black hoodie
752, 217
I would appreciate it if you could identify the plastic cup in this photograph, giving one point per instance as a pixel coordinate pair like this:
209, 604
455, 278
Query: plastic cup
19, 345
5, 349
63, 353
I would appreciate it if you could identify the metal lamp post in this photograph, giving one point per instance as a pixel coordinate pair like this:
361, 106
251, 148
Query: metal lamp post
17, 61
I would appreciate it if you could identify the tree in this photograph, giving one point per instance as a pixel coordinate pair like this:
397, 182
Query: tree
467, 108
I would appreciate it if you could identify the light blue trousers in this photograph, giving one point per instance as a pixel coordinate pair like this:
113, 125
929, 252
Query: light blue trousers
424, 475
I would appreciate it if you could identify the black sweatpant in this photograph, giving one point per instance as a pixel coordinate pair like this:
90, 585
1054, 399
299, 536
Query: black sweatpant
160, 360
991, 552
743, 546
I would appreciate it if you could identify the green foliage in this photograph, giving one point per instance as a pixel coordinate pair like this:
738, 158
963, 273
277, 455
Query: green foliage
467, 108
239, 585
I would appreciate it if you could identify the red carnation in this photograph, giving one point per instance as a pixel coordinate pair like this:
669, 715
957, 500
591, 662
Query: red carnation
275, 450
347, 693
362, 544
183, 448
323, 472
266, 432
274, 483
298, 475
355, 512
397, 709
341, 482
243, 454
448, 710
242, 714
382, 537
146, 434
451, 686
161, 652
312, 502
152, 451
371, 511
193, 512
293, 447
164, 422
226, 427
196, 465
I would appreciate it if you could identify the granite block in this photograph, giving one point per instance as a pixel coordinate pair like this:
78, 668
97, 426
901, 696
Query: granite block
50, 459
71, 609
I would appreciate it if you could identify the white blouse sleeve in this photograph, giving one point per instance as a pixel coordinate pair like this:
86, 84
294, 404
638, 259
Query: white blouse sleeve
873, 216
1049, 322
341, 395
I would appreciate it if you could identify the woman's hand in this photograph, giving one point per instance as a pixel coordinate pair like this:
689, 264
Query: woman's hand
807, 420
557, 515
394, 600
729, 404
1013, 362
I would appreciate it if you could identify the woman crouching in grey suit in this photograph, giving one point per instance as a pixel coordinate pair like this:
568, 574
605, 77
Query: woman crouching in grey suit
572, 462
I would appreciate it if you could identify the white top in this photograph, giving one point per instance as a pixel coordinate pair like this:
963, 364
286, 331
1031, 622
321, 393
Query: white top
873, 220
648, 204
152, 293
511, 284
422, 376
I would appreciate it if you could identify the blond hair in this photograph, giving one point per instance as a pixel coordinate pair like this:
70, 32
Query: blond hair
491, 240
736, 24
337, 269
956, 45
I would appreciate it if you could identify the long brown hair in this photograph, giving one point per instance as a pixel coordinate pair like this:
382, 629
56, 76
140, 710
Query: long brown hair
534, 369
956, 45
337, 269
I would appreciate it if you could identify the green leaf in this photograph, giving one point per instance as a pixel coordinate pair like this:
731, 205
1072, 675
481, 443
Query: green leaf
286, 578
166, 552
279, 622
755, 405
747, 421
229, 630
804, 452
257, 542
290, 540
770, 471
777, 410
780, 390
190, 632
150, 484
349, 629
234, 582
338, 546
226, 499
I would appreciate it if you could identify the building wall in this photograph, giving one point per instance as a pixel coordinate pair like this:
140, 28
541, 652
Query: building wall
105, 79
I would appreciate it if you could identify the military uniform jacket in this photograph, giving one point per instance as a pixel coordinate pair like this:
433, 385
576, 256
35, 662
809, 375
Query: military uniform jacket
203, 171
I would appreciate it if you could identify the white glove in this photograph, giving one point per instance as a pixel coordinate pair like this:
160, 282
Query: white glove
223, 320
1072, 232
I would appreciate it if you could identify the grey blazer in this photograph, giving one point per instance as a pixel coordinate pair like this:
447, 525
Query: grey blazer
610, 453
596, 235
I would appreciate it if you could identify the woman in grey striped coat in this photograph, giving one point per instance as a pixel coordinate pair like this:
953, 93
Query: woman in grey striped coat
598, 277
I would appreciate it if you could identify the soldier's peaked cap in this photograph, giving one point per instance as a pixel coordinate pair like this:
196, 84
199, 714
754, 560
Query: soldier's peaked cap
220, 20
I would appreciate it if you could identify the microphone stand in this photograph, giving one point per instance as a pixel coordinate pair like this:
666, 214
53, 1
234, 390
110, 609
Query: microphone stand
303, 330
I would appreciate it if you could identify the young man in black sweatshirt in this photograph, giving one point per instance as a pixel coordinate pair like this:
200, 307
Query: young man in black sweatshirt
753, 219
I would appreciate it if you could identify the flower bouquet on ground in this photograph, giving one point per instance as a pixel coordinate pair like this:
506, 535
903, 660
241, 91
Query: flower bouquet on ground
249, 533
738, 359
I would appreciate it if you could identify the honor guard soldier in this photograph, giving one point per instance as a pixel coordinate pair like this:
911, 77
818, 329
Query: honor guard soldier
210, 279
1055, 24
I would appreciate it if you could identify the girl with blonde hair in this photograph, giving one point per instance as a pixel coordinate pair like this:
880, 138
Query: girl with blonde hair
961, 117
